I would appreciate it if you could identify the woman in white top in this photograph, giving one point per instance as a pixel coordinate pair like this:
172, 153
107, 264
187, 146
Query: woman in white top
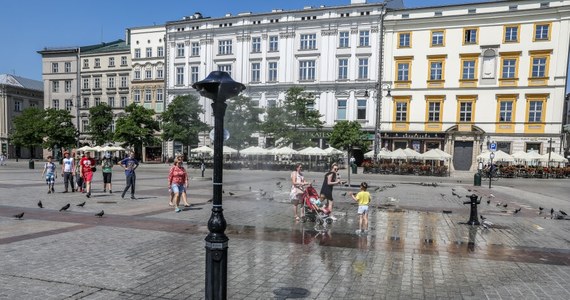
298, 181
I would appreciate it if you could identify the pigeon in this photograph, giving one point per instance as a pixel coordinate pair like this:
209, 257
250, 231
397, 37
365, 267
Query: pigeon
19, 216
343, 194
468, 190
65, 207
40, 205
376, 189
278, 183
81, 204
250, 188
453, 189
486, 224
562, 212
505, 205
491, 196
100, 214
392, 185
263, 193
223, 192
517, 210
540, 208
453, 193
231, 194
488, 201
482, 218
442, 195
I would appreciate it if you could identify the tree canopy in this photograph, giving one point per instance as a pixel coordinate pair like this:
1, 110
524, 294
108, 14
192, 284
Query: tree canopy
58, 129
136, 128
242, 121
347, 135
294, 120
28, 128
100, 121
181, 120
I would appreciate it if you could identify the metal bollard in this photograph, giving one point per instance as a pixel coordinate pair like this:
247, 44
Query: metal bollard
474, 217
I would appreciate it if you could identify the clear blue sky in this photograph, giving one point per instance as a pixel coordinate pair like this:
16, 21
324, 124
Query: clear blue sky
30, 25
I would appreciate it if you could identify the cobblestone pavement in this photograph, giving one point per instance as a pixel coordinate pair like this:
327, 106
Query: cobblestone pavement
142, 249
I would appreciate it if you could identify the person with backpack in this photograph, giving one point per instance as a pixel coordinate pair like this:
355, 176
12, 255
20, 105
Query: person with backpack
107, 168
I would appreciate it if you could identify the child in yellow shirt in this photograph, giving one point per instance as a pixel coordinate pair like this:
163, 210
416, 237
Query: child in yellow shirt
363, 199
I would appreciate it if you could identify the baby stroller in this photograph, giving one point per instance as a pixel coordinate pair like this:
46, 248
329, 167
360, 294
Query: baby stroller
313, 208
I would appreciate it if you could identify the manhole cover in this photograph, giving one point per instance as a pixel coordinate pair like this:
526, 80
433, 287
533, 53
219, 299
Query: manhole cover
291, 293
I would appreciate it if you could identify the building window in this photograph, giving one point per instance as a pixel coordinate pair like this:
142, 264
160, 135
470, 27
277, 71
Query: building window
273, 43
364, 38
85, 83
123, 101
343, 68
148, 73
17, 105
85, 125
67, 67
403, 71
539, 67
307, 70
137, 53
509, 68
137, 96
55, 86
344, 39
97, 83
468, 69
194, 74
179, 75
85, 103
111, 101
68, 104
55, 104
470, 36
404, 40
224, 47
465, 111
55, 67
147, 95
361, 109
434, 111
111, 61
123, 60
137, 75
149, 52
362, 68
256, 72
97, 63
159, 95
256, 45
511, 34
341, 109
436, 70
160, 51
225, 68
271, 103
542, 32
195, 48
97, 101
123, 81
159, 73
401, 111
180, 50
505, 111
308, 41
535, 111
111, 82
85, 63
438, 38
68, 86
272, 71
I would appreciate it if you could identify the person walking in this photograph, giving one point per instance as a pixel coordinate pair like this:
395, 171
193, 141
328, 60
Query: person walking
177, 184
68, 172
49, 172
130, 164
78, 178
327, 188
107, 169
297, 184
363, 199
3, 158
87, 167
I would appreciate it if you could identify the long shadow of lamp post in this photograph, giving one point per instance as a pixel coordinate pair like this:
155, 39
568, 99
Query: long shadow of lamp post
219, 87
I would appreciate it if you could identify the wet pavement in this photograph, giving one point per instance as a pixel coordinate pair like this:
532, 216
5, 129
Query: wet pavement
142, 249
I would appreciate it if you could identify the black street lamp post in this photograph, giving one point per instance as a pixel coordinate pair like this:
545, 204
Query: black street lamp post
219, 87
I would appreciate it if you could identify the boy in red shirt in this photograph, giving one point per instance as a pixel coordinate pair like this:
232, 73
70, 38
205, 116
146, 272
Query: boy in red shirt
86, 164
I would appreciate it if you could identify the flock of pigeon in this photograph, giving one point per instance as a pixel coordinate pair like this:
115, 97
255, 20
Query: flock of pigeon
62, 209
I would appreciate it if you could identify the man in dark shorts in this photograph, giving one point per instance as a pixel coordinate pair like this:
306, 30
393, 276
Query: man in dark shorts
329, 182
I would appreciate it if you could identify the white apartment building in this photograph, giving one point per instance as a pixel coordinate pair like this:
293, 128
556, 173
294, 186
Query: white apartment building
148, 67
463, 75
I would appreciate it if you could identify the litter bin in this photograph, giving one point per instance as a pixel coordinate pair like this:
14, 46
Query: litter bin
353, 166
477, 179
31, 164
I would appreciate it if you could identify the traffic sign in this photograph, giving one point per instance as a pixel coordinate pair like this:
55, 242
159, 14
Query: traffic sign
493, 147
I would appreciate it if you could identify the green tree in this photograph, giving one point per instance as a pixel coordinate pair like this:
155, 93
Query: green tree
181, 120
58, 129
100, 121
136, 128
28, 129
348, 135
295, 120
242, 121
